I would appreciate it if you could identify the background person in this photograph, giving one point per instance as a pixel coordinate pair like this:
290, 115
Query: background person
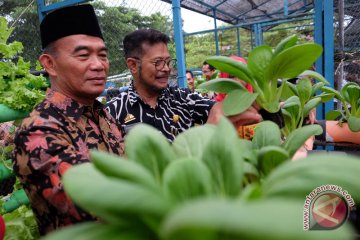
208, 71
190, 80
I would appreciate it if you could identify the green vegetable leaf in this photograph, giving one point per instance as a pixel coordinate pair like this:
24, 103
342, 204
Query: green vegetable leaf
304, 89
326, 96
354, 123
147, 146
315, 75
298, 137
118, 198
271, 157
222, 85
192, 142
231, 66
297, 179
267, 133
95, 231
237, 101
333, 114
223, 219
313, 103
259, 59
117, 167
186, 179
293, 61
285, 44
224, 160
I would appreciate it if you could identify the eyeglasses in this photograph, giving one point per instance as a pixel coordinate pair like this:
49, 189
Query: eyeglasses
160, 63
206, 71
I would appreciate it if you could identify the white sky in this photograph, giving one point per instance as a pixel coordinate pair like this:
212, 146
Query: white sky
193, 22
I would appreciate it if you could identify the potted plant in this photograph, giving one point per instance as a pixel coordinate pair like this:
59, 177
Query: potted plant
349, 96
297, 107
267, 71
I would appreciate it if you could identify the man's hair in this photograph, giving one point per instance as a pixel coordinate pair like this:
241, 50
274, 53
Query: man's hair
191, 74
50, 49
133, 41
211, 67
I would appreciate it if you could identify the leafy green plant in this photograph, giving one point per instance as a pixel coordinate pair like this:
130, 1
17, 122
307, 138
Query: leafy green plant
208, 184
297, 107
349, 96
265, 67
19, 219
19, 90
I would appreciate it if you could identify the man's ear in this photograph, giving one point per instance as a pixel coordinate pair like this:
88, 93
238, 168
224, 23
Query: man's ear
132, 65
48, 63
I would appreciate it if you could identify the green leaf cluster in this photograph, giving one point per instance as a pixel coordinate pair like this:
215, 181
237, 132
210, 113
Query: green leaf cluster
19, 89
349, 96
20, 223
266, 66
208, 184
297, 107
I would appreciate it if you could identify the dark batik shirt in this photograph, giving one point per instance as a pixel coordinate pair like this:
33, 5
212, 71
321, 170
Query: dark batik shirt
177, 109
57, 135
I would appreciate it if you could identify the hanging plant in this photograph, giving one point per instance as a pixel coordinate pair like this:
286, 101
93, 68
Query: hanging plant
20, 91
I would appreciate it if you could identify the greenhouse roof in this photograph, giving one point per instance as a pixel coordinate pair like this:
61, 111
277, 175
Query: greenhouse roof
248, 11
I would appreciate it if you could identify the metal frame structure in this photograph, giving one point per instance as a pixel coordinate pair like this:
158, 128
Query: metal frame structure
323, 19
43, 8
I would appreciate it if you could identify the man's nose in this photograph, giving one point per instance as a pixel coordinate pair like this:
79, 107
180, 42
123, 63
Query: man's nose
98, 63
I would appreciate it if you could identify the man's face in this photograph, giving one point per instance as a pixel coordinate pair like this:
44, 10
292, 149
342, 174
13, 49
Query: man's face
207, 72
80, 67
190, 81
149, 77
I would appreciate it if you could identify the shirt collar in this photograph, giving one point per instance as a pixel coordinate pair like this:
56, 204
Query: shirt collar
134, 96
68, 106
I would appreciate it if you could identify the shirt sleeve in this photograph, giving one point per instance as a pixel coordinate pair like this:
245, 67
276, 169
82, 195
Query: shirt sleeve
201, 107
42, 156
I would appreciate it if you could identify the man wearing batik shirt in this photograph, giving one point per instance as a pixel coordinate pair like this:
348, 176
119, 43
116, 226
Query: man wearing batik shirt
150, 100
63, 128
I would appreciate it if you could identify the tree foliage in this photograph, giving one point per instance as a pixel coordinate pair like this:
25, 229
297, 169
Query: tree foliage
199, 47
115, 21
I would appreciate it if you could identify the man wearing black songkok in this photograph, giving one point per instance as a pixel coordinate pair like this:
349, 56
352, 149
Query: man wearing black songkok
63, 128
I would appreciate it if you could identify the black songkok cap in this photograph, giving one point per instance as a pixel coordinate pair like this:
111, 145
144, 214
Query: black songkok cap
79, 19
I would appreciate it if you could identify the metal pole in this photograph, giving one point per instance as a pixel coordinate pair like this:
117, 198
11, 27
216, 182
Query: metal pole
318, 34
340, 76
286, 8
238, 42
43, 8
329, 47
179, 43
216, 33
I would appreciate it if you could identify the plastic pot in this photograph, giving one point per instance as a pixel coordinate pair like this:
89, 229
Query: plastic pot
341, 132
8, 114
5, 172
16, 199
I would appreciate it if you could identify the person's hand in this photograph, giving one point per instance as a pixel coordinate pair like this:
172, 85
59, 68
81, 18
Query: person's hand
312, 117
250, 116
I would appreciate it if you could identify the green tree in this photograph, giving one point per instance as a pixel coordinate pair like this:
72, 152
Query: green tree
116, 22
